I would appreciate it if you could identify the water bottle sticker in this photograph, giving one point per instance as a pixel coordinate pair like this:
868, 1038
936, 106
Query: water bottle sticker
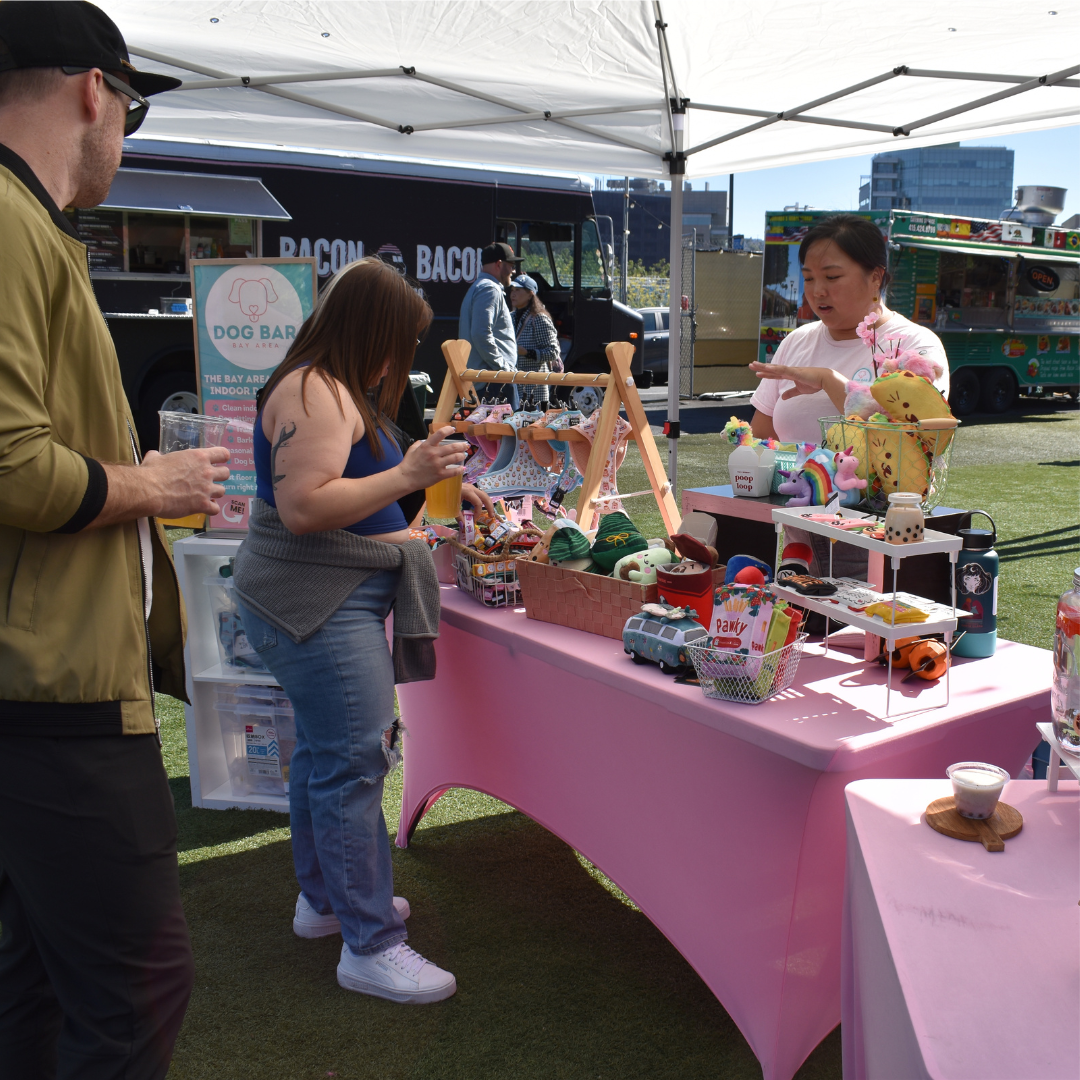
975, 580
994, 609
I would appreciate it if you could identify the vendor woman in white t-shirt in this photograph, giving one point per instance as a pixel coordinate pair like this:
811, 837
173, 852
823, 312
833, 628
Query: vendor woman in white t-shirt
843, 261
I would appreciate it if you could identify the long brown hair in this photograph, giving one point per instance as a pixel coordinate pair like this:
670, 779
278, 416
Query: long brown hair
367, 312
535, 306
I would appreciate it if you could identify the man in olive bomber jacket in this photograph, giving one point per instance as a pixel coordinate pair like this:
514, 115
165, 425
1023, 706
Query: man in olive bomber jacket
95, 959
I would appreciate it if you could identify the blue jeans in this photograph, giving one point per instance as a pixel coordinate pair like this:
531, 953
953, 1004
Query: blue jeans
341, 684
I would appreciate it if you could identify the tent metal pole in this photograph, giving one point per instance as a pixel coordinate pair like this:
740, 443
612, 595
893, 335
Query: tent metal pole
661, 28
561, 114
731, 211
675, 288
275, 80
183, 65
624, 260
797, 119
792, 114
517, 107
341, 110
1022, 88
980, 76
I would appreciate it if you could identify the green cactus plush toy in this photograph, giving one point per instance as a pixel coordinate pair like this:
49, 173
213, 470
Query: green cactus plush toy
616, 536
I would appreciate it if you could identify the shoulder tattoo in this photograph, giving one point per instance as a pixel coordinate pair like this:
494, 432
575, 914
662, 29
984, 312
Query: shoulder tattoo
283, 438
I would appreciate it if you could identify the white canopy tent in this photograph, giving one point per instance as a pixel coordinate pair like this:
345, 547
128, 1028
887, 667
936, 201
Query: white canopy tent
625, 87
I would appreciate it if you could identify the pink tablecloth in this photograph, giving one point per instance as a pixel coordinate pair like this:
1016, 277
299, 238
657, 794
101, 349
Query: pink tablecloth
724, 822
959, 963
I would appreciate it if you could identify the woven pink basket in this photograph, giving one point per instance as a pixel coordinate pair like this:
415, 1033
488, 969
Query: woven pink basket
583, 601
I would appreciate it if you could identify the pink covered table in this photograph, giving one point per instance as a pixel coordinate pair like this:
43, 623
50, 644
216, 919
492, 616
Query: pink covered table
724, 822
959, 963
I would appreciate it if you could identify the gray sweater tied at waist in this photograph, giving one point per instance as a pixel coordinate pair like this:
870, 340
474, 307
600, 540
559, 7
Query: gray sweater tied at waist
298, 582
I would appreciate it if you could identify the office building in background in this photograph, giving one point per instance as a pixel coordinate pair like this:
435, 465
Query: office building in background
972, 181
650, 216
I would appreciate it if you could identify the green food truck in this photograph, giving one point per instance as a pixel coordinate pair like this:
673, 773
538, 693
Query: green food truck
1003, 296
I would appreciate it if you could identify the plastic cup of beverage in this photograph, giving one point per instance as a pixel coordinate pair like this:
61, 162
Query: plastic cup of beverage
444, 498
977, 788
190, 431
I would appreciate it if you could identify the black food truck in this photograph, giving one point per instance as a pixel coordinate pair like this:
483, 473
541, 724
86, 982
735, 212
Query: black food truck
172, 202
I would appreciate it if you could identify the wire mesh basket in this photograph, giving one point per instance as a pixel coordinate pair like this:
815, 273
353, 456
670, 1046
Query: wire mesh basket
736, 676
895, 457
492, 581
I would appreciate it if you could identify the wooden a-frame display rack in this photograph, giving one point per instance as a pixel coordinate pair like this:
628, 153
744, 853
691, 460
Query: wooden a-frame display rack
620, 392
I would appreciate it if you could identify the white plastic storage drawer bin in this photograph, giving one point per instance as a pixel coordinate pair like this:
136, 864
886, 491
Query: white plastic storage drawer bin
258, 729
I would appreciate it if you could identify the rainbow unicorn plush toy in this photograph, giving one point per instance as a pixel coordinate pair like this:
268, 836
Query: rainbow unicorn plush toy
820, 478
812, 481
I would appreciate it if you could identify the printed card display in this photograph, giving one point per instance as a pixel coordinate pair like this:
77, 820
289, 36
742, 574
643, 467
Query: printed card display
247, 313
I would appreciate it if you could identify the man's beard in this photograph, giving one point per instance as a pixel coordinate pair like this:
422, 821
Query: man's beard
100, 157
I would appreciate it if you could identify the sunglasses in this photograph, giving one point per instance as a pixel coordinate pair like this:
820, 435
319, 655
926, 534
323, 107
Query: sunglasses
138, 106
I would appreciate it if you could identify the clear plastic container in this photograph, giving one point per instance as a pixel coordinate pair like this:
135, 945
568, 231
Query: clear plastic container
259, 741
976, 787
234, 648
189, 431
904, 519
1065, 688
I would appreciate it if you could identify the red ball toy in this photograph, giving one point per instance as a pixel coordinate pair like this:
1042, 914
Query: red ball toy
749, 575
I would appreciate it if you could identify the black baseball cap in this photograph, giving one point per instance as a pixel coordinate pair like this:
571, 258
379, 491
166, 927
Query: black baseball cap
69, 34
492, 253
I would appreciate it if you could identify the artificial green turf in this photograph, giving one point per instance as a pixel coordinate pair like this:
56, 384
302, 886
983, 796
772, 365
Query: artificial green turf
559, 975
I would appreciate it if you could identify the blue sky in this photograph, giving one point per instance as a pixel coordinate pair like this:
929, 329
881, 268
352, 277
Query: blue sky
1042, 157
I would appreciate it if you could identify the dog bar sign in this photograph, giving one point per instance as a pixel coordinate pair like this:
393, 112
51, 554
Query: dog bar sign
247, 314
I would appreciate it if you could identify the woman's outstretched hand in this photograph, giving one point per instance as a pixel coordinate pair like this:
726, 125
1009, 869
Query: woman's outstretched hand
433, 459
807, 380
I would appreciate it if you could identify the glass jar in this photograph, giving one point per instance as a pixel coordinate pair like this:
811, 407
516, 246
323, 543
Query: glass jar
904, 518
1065, 689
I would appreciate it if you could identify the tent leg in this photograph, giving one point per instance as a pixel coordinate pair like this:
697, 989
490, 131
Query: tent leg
675, 322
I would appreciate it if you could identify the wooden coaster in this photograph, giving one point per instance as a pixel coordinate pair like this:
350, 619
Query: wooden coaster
992, 833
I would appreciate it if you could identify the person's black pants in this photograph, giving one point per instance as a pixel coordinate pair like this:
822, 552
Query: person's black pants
95, 959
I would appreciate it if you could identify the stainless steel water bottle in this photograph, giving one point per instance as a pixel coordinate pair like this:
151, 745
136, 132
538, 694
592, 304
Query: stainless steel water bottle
977, 588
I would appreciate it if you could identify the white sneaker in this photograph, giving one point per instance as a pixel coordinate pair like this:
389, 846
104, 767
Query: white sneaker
397, 973
308, 923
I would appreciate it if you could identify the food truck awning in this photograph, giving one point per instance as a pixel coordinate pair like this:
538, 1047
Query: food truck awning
193, 193
1007, 251
634, 88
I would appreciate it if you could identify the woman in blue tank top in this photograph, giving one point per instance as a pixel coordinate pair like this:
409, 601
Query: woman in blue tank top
326, 558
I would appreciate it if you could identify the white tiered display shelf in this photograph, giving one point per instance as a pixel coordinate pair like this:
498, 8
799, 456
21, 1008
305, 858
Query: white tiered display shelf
1058, 756
198, 558
942, 619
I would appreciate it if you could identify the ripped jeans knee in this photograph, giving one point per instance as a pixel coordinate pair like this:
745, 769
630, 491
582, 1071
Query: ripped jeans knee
391, 746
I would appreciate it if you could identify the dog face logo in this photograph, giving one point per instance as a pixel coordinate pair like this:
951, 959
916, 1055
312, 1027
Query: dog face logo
253, 296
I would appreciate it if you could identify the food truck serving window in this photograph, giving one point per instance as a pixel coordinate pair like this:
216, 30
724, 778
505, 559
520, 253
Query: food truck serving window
193, 193
154, 222
974, 286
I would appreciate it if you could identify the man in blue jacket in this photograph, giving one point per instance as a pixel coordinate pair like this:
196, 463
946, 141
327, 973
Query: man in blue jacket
485, 320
